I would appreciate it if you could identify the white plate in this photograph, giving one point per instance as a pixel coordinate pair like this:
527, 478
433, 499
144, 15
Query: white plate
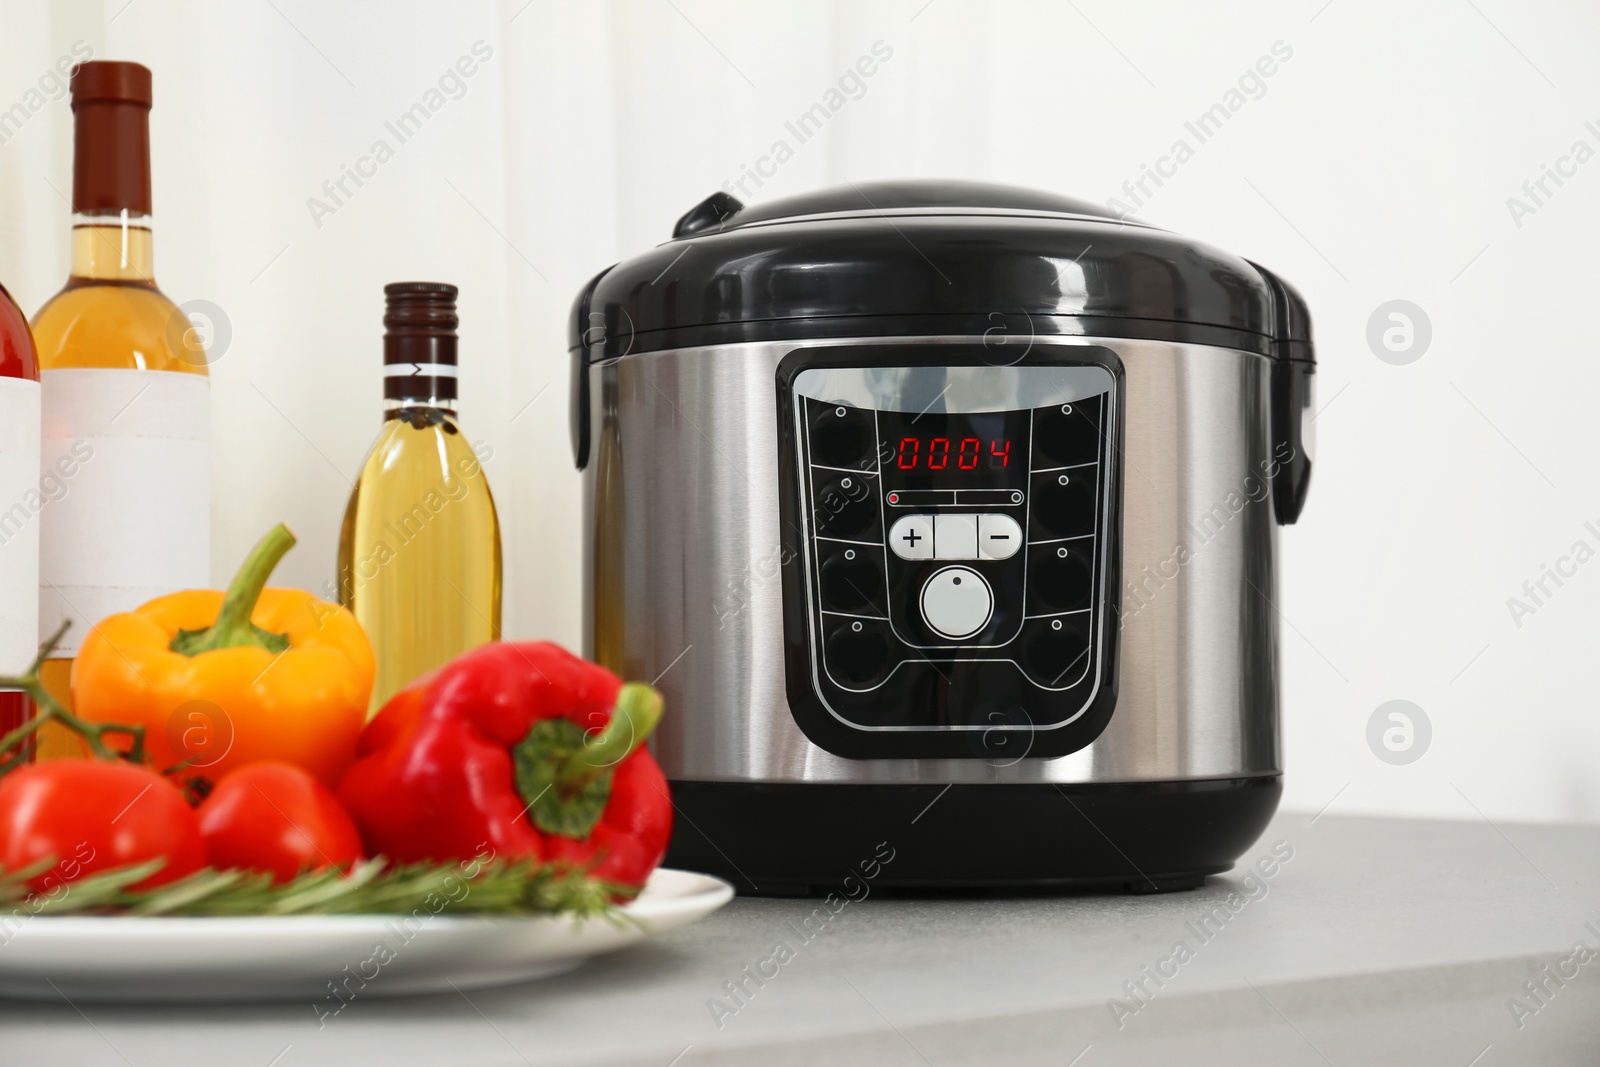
325, 959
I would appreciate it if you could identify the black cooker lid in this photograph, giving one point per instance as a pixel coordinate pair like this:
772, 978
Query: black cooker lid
882, 258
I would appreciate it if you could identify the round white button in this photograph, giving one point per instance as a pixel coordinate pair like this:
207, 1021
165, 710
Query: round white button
957, 602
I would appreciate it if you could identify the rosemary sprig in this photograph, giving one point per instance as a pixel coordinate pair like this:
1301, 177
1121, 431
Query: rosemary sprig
371, 887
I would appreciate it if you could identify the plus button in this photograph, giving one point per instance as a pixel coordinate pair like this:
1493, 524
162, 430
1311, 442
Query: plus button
912, 536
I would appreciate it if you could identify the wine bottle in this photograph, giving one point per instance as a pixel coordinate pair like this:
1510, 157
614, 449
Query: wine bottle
419, 549
125, 391
20, 504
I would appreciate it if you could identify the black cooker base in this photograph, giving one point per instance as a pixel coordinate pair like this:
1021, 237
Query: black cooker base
797, 840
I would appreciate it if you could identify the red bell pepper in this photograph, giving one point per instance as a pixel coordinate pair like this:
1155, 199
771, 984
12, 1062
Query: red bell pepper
520, 750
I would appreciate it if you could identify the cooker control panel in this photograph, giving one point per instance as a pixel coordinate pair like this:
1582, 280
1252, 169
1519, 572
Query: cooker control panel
954, 577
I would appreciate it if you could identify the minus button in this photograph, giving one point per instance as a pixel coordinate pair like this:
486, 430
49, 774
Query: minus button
999, 537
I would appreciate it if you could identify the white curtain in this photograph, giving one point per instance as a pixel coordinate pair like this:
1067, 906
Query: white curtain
1374, 163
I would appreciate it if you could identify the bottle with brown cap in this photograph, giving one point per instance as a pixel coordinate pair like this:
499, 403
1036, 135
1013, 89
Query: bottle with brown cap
419, 550
125, 390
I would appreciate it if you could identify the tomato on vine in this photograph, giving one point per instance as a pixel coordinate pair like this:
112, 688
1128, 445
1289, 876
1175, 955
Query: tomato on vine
275, 817
77, 817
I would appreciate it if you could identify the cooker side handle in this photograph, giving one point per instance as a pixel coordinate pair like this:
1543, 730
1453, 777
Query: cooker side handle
1294, 366
1291, 436
581, 333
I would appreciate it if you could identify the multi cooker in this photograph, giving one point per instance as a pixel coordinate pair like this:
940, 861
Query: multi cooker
945, 516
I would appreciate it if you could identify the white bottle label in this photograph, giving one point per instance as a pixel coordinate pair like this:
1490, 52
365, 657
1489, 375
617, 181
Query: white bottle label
128, 513
20, 505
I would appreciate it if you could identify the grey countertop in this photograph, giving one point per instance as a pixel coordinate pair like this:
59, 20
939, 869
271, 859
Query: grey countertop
1370, 941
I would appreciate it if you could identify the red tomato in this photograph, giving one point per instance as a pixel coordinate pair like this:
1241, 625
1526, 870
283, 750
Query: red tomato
92, 815
273, 816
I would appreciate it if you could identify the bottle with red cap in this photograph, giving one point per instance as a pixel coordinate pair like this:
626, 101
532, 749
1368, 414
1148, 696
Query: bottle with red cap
126, 396
20, 504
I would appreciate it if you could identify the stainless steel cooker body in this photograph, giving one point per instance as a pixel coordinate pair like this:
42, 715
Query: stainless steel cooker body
945, 515
686, 557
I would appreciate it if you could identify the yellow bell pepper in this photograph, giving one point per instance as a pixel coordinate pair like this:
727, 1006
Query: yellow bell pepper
223, 679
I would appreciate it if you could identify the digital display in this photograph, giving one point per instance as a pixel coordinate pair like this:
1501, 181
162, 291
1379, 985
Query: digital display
987, 448
936, 453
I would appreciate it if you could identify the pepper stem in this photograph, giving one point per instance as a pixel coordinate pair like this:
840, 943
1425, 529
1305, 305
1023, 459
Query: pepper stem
17, 745
635, 715
233, 628
565, 773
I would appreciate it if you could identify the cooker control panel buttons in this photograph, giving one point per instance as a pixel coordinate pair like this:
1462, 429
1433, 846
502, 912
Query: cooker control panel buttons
948, 537
999, 536
1063, 577
841, 436
911, 537
847, 506
851, 578
858, 653
955, 537
957, 602
1064, 503
1067, 434
1055, 652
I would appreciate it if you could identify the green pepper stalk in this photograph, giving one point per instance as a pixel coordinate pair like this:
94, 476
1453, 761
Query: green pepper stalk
233, 628
567, 772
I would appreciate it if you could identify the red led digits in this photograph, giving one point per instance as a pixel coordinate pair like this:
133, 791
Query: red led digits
907, 458
968, 454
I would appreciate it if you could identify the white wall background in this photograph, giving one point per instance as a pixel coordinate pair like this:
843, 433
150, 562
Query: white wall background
1376, 165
